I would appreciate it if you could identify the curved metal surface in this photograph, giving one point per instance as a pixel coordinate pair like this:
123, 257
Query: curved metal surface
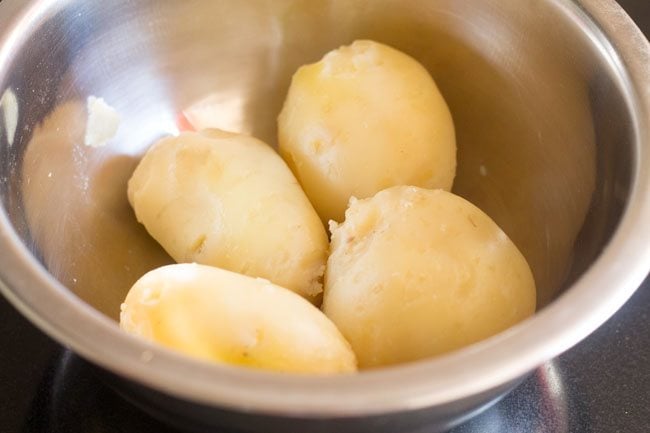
552, 107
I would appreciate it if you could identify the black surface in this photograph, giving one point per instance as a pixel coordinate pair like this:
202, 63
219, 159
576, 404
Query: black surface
600, 386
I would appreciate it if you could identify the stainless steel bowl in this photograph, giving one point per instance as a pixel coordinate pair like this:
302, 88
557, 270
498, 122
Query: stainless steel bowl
551, 100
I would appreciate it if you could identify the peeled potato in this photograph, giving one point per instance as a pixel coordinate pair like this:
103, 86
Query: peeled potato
415, 273
230, 318
229, 200
365, 118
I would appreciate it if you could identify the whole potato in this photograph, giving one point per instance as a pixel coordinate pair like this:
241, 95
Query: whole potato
230, 318
365, 118
415, 273
228, 200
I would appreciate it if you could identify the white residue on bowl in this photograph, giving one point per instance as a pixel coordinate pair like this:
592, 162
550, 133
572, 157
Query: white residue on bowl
102, 124
9, 107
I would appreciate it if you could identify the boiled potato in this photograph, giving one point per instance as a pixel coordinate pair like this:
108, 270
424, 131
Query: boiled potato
229, 318
364, 118
415, 273
229, 200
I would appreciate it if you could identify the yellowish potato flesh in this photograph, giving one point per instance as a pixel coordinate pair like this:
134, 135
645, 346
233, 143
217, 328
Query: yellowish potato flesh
365, 118
229, 318
230, 201
415, 273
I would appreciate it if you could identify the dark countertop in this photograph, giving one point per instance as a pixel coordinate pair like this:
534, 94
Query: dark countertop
600, 386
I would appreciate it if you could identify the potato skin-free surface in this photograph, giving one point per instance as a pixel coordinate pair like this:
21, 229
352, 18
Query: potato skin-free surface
364, 118
415, 273
228, 200
229, 318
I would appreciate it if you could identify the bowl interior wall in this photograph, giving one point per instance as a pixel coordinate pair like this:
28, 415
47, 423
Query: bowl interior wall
544, 130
